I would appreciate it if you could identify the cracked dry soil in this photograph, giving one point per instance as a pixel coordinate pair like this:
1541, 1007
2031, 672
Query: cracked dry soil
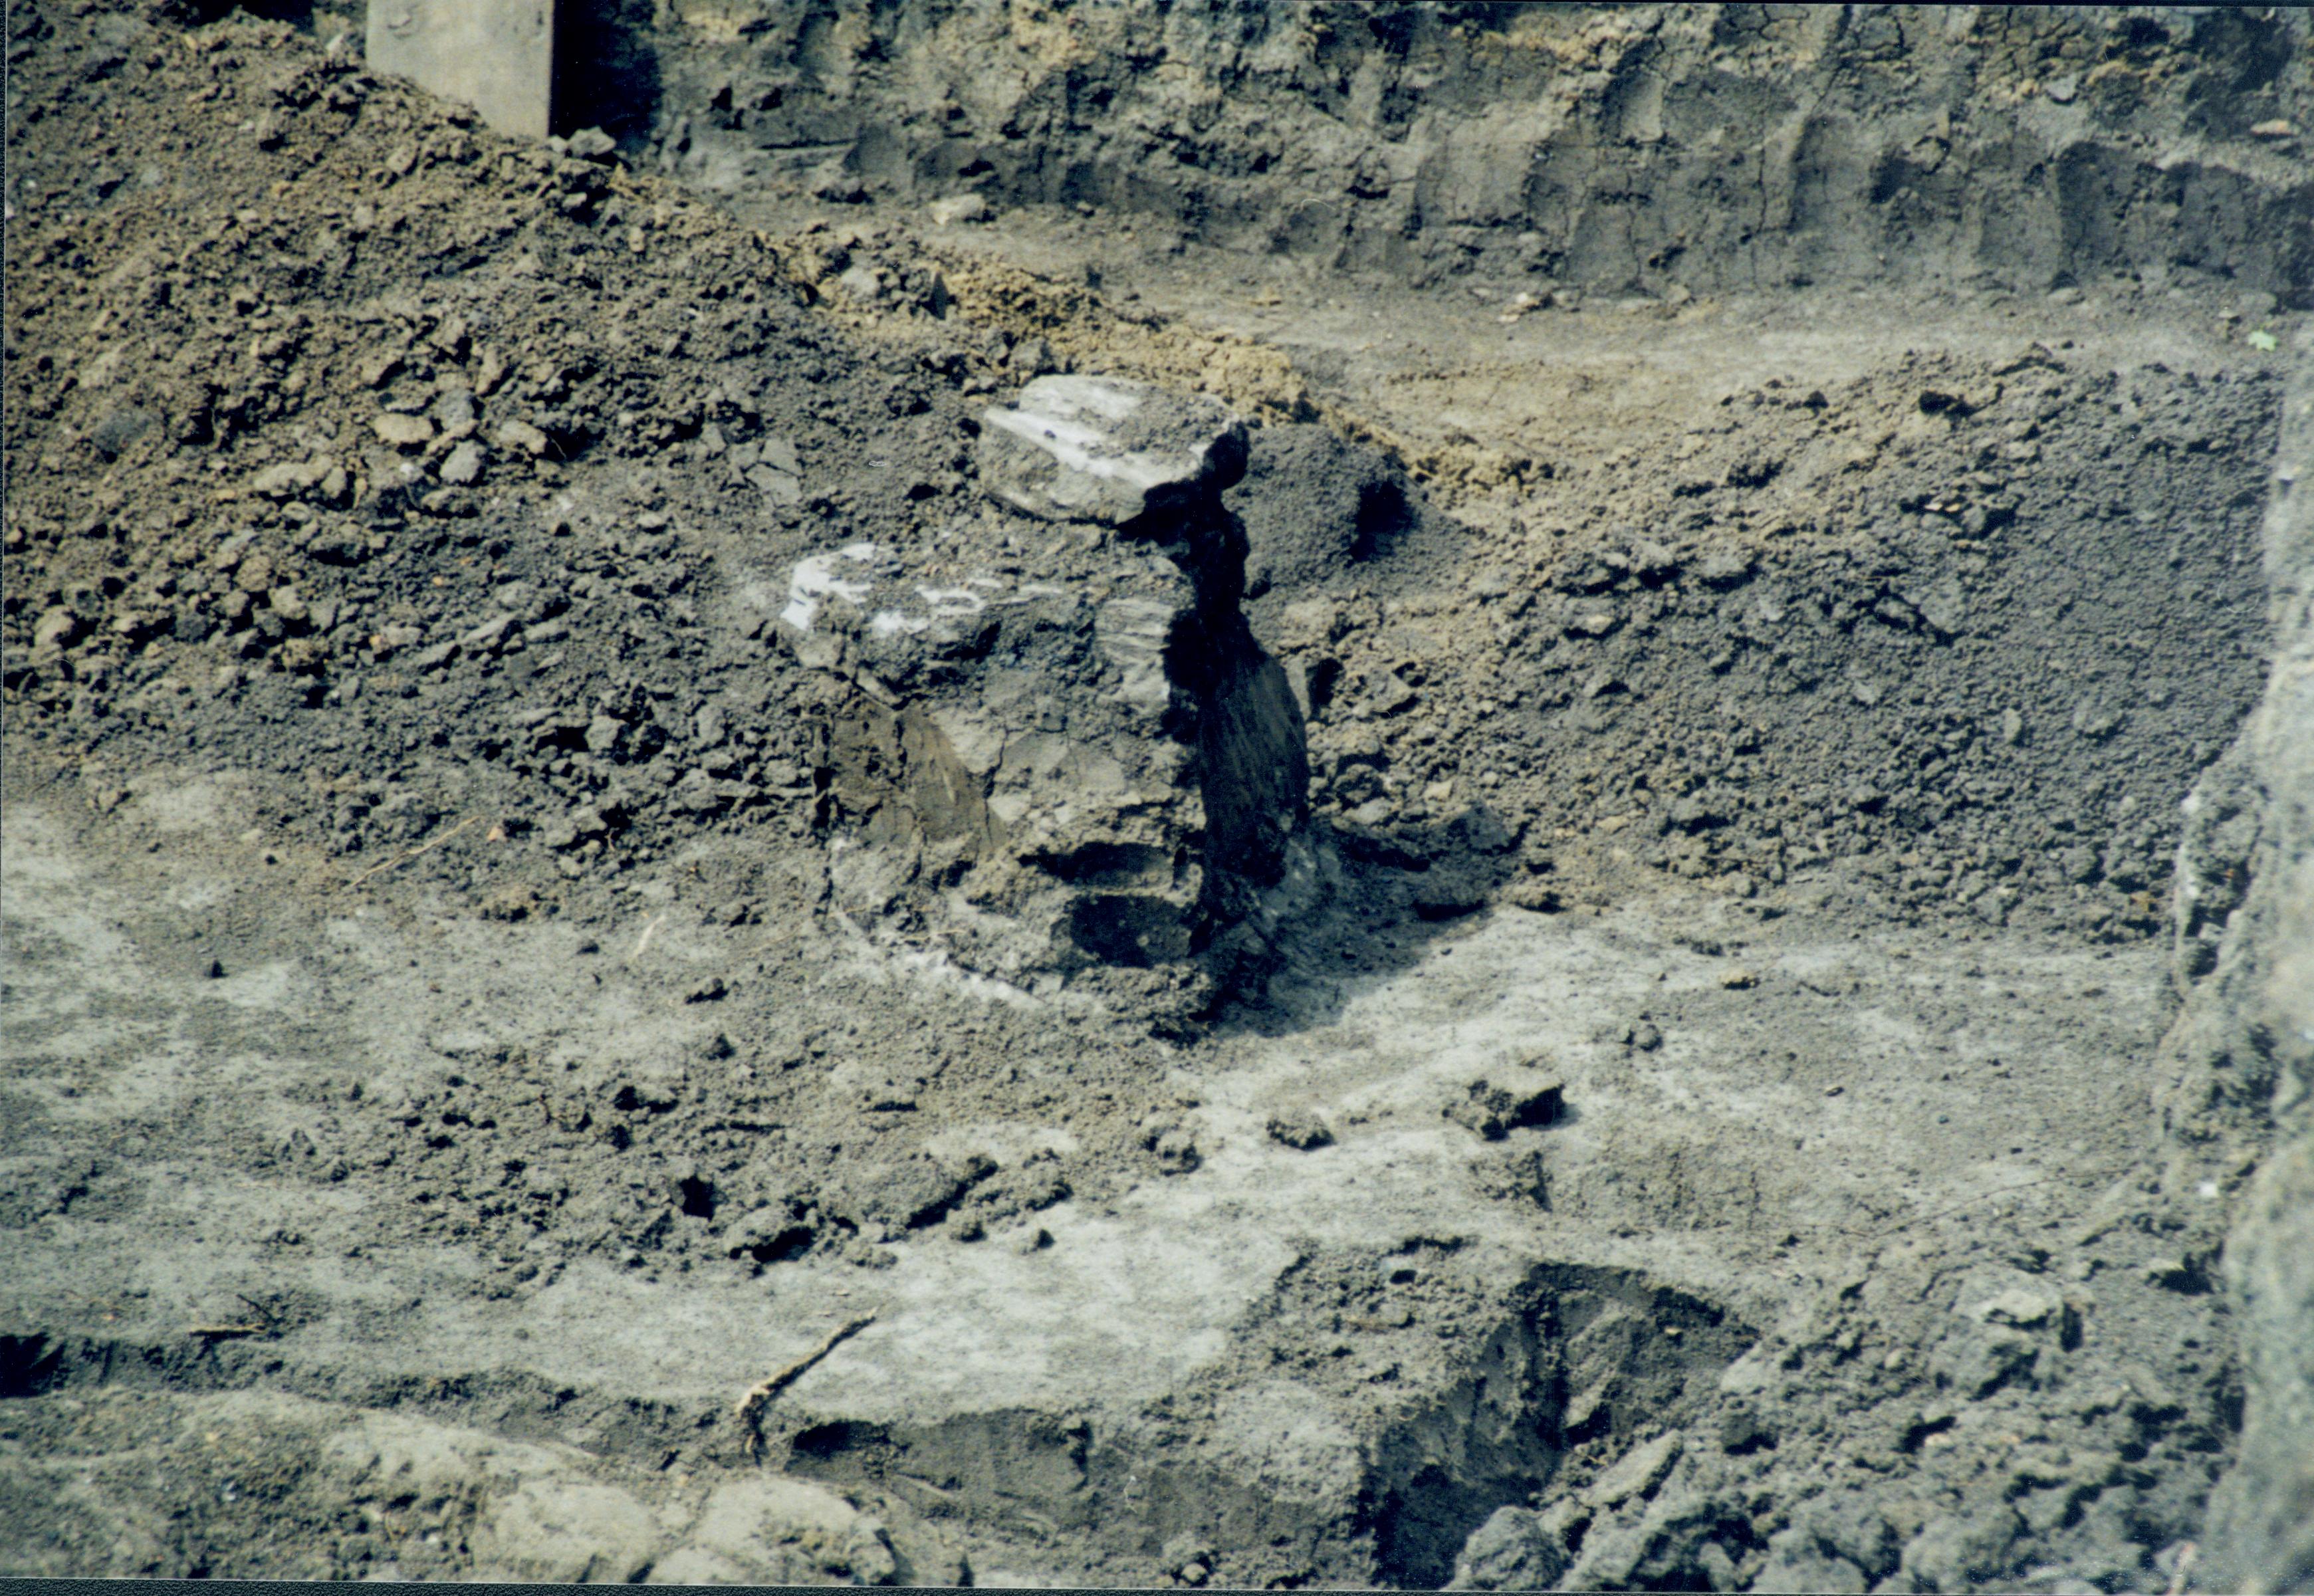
1705, 1142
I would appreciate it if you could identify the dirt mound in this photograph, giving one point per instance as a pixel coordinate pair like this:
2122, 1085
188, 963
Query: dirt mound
1942, 604
444, 489
1927, 630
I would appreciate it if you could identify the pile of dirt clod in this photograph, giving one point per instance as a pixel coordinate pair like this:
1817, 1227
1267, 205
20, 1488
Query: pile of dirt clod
449, 480
1954, 635
382, 453
435, 492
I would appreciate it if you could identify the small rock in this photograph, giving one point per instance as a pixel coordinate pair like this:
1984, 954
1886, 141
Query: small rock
1696, 811
290, 477
1388, 694
1184, 1553
377, 366
512, 902
2175, 1275
1177, 1152
777, 486
454, 411
120, 428
1518, 1549
592, 144
2022, 1306
1742, 1430
1962, 1550
463, 467
490, 637
788, 1530
523, 436
1798, 1561
1639, 1473
403, 432
1299, 1129
861, 281
1536, 896
1512, 1099
58, 628
1654, 560
958, 208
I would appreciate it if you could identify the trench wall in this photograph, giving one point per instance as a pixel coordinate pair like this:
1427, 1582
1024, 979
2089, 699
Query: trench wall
1714, 147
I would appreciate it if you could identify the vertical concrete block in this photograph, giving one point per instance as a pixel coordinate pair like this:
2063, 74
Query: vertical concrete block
496, 55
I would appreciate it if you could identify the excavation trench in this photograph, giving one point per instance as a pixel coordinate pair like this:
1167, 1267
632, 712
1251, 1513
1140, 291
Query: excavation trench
1590, 1356
1517, 922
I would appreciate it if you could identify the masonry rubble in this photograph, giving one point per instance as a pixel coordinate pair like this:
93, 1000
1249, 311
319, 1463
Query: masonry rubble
1061, 757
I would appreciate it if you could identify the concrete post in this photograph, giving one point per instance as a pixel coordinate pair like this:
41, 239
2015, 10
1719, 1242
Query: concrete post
496, 55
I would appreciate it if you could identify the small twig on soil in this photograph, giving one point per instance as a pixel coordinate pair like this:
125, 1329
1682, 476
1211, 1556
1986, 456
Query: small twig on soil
225, 1332
643, 941
2183, 1574
750, 1411
436, 841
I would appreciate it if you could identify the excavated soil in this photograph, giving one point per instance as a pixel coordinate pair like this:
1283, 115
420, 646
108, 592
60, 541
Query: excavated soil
439, 1085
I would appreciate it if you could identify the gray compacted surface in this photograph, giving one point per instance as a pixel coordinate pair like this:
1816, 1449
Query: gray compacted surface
1779, 1074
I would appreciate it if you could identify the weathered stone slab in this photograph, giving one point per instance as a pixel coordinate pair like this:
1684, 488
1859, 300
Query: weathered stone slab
1101, 449
496, 55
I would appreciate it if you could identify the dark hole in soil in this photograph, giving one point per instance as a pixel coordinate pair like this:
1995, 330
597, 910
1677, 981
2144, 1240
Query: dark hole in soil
1127, 931
1383, 517
698, 1196
1324, 677
784, 1247
1109, 864
605, 73
28, 1365
824, 1442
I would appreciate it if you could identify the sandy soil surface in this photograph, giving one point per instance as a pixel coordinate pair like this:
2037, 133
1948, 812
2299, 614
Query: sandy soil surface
455, 1126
